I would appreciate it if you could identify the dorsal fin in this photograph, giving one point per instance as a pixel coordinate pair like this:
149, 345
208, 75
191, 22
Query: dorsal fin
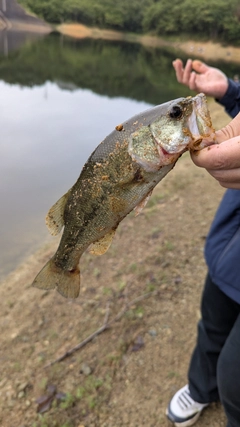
54, 219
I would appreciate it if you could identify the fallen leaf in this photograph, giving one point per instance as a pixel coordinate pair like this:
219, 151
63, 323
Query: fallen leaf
138, 344
44, 403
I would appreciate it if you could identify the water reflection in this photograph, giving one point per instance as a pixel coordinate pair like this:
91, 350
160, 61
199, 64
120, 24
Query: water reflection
14, 40
46, 136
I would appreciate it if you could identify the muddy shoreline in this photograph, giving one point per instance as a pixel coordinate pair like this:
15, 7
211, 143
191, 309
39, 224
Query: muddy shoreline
205, 50
30, 27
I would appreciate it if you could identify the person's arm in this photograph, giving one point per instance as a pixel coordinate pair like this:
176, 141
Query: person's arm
231, 99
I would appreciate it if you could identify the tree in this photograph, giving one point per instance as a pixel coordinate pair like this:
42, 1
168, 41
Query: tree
216, 19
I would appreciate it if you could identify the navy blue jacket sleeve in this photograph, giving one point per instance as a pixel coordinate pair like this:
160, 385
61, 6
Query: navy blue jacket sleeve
222, 249
231, 99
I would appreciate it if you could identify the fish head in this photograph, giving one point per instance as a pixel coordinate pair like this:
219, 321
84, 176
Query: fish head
168, 130
185, 125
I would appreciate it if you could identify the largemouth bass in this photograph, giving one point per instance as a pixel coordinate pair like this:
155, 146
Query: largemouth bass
118, 177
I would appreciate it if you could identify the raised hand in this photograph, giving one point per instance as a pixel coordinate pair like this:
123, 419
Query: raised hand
199, 77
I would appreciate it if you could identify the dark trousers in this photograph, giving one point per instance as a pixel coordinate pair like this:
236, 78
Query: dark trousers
214, 372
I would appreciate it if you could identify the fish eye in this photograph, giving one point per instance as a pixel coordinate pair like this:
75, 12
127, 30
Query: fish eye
176, 112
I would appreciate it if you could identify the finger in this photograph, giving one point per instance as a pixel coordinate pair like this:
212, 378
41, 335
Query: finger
178, 66
192, 81
187, 72
234, 186
177, 63
231, 176
199, 66
233, 183
219, 156
229, 131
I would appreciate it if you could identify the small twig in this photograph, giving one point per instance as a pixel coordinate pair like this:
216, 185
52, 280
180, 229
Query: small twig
105, 326
84, 342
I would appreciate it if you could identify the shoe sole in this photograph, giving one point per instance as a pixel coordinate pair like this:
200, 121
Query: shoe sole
186, 423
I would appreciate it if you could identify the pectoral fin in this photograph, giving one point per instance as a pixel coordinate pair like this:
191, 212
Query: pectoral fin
138, 209
54, 219
102, 245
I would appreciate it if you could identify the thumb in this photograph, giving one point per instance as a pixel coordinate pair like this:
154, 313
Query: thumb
199, 66
229, 131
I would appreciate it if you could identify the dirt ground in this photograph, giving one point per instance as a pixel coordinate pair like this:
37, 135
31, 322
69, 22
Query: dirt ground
148, 286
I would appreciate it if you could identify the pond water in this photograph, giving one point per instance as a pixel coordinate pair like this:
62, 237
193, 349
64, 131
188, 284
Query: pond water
58, 99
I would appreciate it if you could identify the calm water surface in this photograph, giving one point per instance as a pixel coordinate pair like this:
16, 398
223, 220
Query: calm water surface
58, 99
46, 136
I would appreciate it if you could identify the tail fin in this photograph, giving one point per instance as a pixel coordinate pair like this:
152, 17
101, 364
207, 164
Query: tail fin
67, 283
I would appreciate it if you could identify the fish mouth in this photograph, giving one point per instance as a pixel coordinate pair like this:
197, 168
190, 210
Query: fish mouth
200, 124
166, 157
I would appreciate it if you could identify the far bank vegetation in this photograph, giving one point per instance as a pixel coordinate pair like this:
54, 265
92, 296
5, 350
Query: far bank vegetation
213, 19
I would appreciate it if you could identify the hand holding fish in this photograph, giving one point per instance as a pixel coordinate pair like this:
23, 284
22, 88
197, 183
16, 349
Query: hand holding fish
200, 77
222, 161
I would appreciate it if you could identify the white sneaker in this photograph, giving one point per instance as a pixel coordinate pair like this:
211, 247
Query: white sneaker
182, 410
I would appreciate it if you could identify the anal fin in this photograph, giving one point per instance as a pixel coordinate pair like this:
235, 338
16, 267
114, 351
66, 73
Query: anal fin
102, 245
